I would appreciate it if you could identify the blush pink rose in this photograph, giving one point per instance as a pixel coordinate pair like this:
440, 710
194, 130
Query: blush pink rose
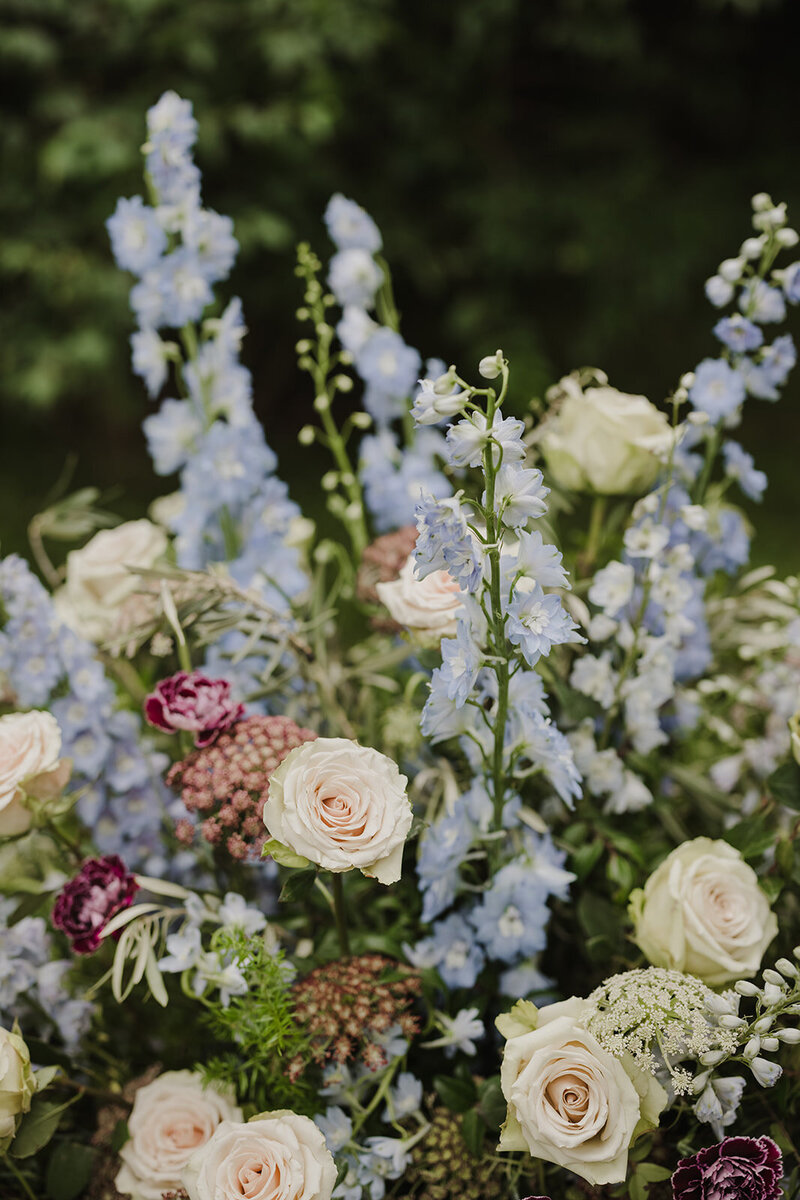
30, 745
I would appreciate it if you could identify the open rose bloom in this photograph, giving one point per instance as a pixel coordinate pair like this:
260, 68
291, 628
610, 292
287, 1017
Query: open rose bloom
570, 1102
30, 746
341, 806
429, 606
702, 911
276, 1156
172, 1118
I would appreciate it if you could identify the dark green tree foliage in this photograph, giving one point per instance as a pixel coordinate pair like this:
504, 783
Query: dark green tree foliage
556, 178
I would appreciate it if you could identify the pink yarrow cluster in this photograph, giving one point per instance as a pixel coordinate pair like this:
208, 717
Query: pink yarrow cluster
193, 703
226, 784
85, 905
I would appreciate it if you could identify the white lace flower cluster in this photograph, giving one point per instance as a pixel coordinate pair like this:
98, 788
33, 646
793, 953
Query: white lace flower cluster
661, 1018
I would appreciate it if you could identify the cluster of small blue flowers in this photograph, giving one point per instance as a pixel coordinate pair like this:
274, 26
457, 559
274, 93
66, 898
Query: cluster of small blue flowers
370, 1163
650, 605
749, 366
231, 507
488, 693
505, 923
393, 465
33, 987
115, 772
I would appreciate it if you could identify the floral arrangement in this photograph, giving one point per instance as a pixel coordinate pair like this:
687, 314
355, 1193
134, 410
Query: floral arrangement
443, 848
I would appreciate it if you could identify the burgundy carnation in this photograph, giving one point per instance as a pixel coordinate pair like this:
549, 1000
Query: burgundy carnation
195, 703
85, 905
737, 1168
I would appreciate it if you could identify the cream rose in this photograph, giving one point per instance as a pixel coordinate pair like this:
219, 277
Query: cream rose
276, 1156
605, 441
30, 744
172, 1117
17, 1084
340, 805
794, 730
99, 580
702, 912
431, 605
570, 1102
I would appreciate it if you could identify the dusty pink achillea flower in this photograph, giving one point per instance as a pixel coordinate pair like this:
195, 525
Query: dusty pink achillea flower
194, 703
226, 783
737, 1168
85, 905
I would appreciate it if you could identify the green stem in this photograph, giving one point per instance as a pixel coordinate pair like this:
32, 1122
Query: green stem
339, 914
595, 535
498, 639
712, 450
20, 1178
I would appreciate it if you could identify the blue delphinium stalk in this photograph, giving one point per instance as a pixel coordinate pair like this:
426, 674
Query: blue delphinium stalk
488, 693
649, 607
32, 982
115, 771
231, 507
396, 460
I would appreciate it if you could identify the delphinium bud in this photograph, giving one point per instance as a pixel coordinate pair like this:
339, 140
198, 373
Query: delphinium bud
491, 366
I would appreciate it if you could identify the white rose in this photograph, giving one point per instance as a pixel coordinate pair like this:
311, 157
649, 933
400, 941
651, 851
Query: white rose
794, 730
30, 744
431, 605
605, 441
98, 579
276, 1156
703, 912
341, 805
17, 1084
172, 1117
570, 1102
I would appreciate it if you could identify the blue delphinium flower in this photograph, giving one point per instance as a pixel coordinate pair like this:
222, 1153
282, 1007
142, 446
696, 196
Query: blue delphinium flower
393, 479
511, 919
390, 369
762, 303
172, 434
791, 283
461, 661
350, 226
537, 622
718, 389
739, 465
738, 334
137, 237
354, 277
441, 854
452, 950
444, 542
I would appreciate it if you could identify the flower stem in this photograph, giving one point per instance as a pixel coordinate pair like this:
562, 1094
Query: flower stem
595, 535
492, 458
339, 914
20, 1178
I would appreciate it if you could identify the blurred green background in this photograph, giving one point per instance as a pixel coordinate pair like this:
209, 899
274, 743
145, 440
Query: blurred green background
556, 177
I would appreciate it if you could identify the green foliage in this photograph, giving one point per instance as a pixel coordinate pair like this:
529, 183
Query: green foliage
260, 1028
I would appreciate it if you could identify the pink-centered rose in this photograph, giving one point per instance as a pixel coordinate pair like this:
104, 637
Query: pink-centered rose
30, 744
276, 1156
85, 905
430, 606
341, 806
172, 1118
194, 703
